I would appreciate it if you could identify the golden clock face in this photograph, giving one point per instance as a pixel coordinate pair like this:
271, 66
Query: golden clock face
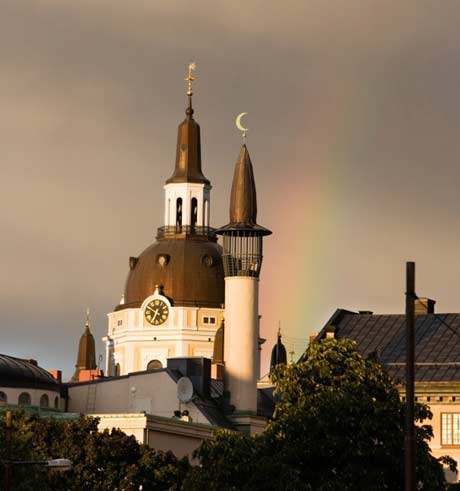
156, 312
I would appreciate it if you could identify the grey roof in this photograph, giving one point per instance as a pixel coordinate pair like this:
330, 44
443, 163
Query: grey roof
16, 372
437, 346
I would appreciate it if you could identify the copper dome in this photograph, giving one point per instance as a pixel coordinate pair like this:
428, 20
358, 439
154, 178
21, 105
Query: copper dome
189, 270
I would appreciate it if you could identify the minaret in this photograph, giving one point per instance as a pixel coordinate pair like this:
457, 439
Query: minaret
187, 191
86, 359
242, 258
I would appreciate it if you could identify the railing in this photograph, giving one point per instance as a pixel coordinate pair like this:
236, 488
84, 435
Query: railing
242, 264
185, 230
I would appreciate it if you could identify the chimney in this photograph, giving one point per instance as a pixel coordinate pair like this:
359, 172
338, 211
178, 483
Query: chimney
198, 369
330, 332
57, 374
424, 305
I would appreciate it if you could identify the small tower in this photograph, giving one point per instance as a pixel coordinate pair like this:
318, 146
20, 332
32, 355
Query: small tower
187, 191
86, 359
242, 258
279, 355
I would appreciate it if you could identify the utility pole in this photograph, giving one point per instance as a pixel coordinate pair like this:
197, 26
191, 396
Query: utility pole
409, 439
8, 452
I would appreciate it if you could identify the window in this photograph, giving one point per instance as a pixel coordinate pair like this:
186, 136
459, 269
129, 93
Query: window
154, 365
193, 212
119, 323
209, 320
24, 399
3, 399
44, 401
117, 370
206, 213
56, 402
450, 429
179, 213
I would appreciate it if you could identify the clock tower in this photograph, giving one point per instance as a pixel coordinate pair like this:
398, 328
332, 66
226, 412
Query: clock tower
174, 294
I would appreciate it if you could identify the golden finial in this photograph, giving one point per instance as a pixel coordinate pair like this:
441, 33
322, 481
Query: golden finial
279, 329
190, 78
87, 324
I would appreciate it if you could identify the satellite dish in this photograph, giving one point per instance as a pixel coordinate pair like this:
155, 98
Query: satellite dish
184, 389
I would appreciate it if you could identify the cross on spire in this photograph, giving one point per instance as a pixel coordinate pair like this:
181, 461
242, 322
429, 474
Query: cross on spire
190, 78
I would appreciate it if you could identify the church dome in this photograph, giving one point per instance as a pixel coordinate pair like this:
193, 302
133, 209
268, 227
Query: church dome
189, 270
15, 372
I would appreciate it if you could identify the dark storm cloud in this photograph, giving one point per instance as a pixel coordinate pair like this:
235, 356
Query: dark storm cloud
356, 99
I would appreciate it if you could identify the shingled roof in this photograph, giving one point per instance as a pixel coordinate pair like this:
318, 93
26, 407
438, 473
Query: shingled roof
437, 347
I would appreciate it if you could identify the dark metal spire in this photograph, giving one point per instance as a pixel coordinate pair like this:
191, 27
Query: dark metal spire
86, 359
243, 199
279, 355
188, 152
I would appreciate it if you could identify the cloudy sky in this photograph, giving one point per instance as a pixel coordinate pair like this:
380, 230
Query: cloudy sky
354, 121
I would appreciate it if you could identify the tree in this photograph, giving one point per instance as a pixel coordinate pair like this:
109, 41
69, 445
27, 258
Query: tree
100, 460
339, 425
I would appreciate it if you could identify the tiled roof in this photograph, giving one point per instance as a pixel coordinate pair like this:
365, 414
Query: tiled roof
437, 347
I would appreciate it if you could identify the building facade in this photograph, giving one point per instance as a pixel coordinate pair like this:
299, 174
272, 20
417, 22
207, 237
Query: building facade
437, 362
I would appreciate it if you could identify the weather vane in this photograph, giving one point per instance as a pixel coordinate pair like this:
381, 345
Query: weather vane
241, 127
190, 78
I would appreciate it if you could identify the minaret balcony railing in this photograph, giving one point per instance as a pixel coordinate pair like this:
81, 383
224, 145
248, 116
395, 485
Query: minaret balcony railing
242, 264
185, 230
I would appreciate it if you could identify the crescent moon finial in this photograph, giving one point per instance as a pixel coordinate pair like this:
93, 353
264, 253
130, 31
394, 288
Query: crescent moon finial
240, 126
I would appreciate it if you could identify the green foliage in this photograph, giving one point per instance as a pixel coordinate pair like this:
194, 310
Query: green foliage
100, 460
338, 426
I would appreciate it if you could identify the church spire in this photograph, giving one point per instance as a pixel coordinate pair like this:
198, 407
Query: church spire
188, 150
86, 358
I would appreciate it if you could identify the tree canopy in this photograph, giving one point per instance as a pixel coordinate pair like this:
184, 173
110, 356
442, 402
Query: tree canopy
100, 460
338, 425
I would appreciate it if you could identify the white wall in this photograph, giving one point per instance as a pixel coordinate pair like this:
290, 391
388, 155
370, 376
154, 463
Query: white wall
13, 393
153, 392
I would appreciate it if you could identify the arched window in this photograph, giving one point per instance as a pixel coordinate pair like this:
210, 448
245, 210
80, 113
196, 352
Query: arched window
193, 213
168, 213
44, 401
179, 213
3, 398
56, 402
206, 213
154, 365
117, 370
24, 399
